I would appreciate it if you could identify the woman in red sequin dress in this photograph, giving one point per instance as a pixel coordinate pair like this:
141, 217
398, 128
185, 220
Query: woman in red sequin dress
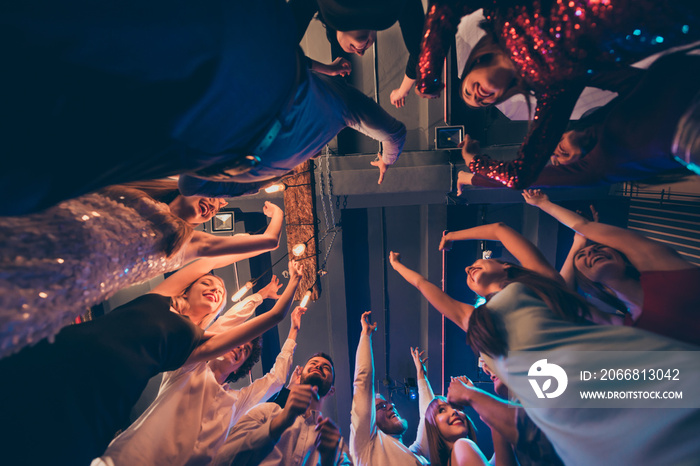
551, 49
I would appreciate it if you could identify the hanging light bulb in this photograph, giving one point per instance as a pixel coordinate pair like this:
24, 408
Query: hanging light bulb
241, 292
298, 249
275, 188
305, 299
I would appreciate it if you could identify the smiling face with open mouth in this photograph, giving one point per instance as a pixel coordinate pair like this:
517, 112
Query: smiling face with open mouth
485, 276
598, 262
451, 423
196, 210
205, 296
488, 81
388, 419
357, 42
232, 361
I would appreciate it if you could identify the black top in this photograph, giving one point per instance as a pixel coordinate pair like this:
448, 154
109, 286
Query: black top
410, 18
62, 403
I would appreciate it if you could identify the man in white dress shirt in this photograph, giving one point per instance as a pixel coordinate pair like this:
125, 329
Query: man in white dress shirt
195, 408
294, 435
376, 427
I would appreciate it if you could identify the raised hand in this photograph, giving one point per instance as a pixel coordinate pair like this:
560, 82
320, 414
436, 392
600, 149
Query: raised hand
459, 391
419, 361
470, 148
367, 326
296, 270
270, 290
394, 258
464, 178
379, 163
535, 197
296, 317
269, 209
295, 378
445, 244
398, 98
339, 67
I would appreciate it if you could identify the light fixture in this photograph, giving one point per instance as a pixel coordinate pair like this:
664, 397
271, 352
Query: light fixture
298, 249
410, 388
305, 299
275, 188
241, 292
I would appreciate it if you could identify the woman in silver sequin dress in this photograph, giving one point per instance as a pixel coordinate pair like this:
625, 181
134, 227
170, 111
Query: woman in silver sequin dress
56, 264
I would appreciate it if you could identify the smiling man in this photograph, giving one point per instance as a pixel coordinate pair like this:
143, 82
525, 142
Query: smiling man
376, 428
294, 435
187, 423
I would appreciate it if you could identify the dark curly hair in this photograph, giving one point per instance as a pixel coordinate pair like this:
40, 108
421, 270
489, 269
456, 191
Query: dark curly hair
254, 357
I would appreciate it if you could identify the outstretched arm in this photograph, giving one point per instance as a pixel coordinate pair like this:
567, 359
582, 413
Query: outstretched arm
425, 396
363, 424
220, 343
206, 245
527, 253
497, 414
271, 383
643, 253
457, 311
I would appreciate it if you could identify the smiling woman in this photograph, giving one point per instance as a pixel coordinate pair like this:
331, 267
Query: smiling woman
98, 244
451, 436
113, 357
652, 286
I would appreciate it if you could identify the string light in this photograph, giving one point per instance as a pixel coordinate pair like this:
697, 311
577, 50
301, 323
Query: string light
275, 188
241, 292
305, 299
299, 249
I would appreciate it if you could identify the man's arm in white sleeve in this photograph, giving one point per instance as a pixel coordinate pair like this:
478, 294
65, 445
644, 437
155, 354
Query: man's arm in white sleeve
425, 396
249, 440
266, 386
363, 426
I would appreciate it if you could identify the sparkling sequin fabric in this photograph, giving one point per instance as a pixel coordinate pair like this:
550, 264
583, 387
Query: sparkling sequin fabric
55, 264
556, 45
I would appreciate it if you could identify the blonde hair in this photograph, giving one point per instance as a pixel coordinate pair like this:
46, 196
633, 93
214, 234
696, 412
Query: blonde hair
182, 306
175, 232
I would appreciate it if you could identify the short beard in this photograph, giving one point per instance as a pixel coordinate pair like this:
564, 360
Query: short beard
396, 429
318, 382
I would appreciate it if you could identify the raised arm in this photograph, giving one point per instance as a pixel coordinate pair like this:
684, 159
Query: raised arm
366, 116
220, 343
497, 414
520, 247
206, 245
363, 425
425, 396
271, 383
441, 24
457, 311
643, 253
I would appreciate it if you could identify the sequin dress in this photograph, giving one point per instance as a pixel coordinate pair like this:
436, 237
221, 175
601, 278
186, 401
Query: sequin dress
556, 46
56, 264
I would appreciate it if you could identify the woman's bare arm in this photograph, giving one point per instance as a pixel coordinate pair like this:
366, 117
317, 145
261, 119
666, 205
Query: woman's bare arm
643, 253
457, 311
527, 253
206, 245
